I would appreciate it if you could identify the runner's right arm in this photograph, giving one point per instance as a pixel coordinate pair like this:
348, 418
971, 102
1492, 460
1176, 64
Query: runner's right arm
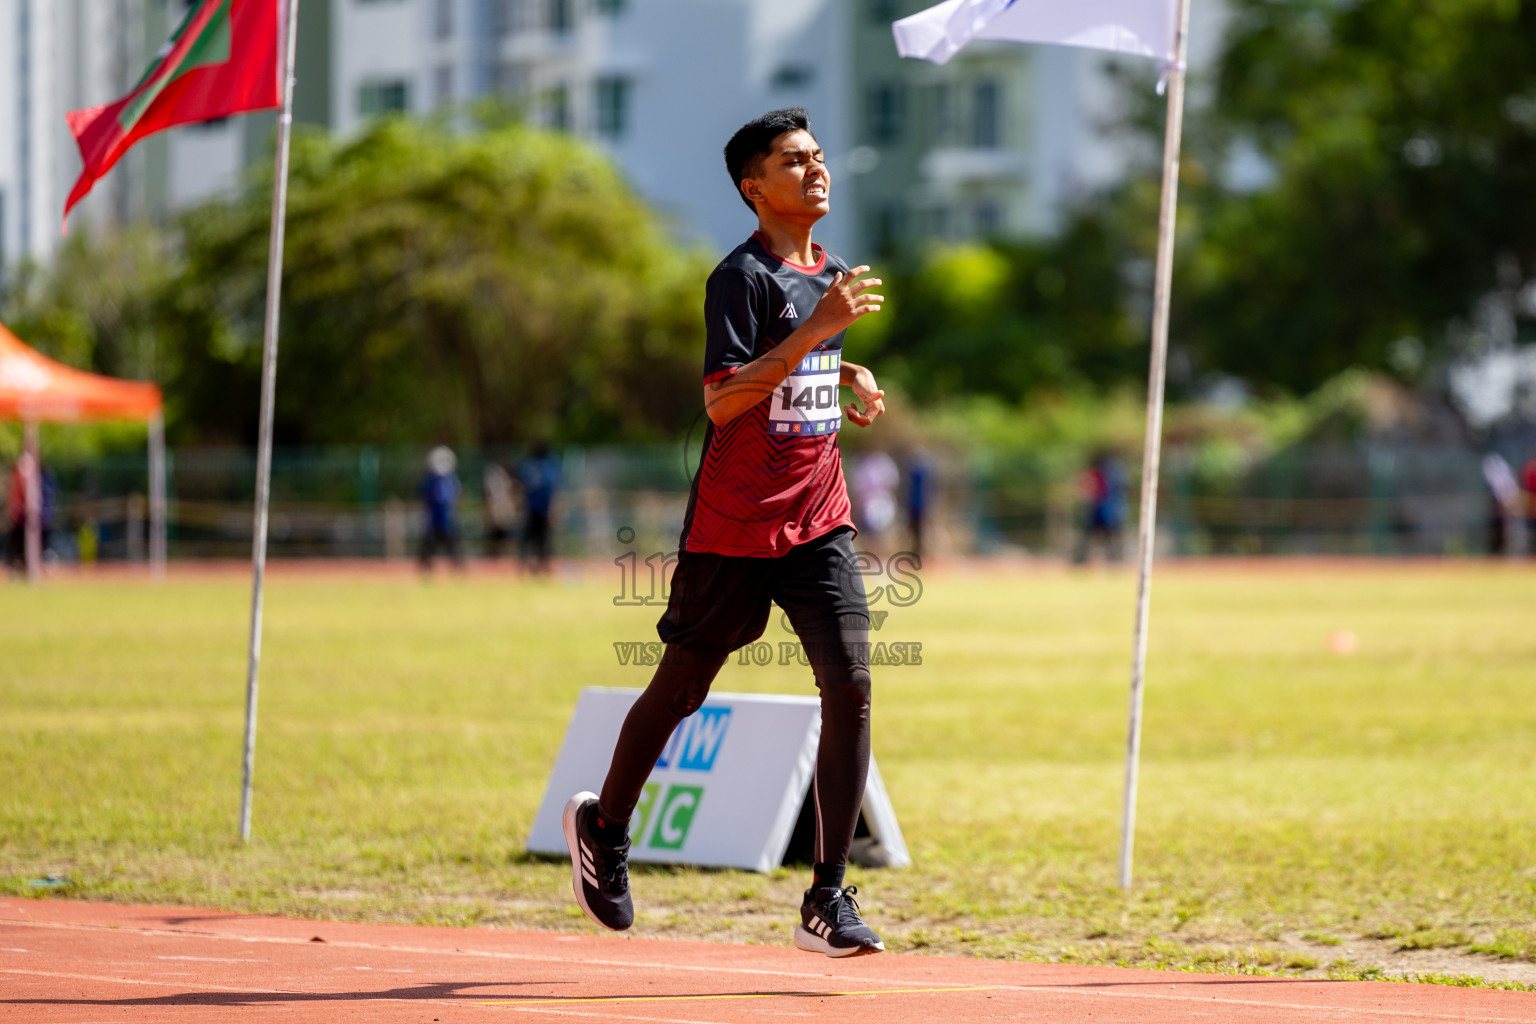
846, 300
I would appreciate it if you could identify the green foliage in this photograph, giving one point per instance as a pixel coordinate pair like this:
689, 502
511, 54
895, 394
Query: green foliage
505, 284
1013, 320
1388, 153
1402, 139
490, 287
1510, 943
96, 306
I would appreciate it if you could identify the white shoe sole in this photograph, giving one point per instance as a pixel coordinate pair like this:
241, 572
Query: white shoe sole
568, 825
816, 944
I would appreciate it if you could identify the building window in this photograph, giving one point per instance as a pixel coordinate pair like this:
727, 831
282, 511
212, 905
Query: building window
612, 107
883, 112
391, 97
444, 85
986, 115
511, 17
989, 219
510, 79
794, 76
882, 222
941, 113
562, 16
938, 222
442, 20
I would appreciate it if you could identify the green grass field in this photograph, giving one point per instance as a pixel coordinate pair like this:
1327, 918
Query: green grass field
1302, 811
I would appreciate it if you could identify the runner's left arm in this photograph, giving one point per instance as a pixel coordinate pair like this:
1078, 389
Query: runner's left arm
866, 390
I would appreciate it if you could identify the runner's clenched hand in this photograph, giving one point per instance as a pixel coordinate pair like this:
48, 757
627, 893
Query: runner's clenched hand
865, 390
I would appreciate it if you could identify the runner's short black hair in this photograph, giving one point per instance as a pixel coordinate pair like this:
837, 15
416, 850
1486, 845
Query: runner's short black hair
753, 142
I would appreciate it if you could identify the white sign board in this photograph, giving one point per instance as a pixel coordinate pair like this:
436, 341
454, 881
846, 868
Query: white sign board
726, 791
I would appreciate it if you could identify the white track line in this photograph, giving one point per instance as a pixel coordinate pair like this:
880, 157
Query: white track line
1320, 1007
606, 1016
705, 969
154, 984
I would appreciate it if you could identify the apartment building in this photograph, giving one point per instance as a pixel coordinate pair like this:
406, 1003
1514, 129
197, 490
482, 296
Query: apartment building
996, 142
56, 56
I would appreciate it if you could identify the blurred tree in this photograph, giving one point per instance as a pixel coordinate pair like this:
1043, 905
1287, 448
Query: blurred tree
97, 305
487, 287
1390, 154
1015, 318
1356, 183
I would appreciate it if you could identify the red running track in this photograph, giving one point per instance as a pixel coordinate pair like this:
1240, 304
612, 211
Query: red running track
63, 962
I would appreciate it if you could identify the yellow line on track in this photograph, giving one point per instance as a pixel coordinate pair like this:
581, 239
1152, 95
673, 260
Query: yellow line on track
735, 995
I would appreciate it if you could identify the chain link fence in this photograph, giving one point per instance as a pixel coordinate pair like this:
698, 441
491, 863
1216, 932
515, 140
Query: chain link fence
1346, 499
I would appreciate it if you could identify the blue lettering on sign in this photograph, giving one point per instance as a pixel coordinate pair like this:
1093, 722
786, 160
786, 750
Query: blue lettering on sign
697, 740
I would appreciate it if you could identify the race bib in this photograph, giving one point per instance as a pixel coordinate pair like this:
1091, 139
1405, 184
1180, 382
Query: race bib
807, 401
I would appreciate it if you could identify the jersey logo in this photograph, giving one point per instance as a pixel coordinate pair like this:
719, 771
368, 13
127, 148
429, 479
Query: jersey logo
789, 311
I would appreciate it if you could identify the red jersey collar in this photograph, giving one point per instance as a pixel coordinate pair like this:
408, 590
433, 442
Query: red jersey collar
808, 271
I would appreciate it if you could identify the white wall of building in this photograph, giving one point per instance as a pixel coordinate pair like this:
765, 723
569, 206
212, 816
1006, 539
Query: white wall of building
57, 56
206, 161
692, 71
702, 68
378, 43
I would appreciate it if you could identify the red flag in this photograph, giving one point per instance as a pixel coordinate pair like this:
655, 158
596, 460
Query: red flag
223, 60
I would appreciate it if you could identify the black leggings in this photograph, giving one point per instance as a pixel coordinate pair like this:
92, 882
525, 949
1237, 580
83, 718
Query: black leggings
825, 605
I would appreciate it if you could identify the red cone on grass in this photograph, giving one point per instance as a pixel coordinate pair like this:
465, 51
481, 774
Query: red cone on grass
222, 60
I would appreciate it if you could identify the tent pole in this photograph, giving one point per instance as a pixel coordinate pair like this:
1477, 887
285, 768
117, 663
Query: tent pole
1153, 451
157, 516
268, 397
33, 528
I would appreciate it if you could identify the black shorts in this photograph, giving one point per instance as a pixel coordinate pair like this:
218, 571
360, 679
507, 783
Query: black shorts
722, 602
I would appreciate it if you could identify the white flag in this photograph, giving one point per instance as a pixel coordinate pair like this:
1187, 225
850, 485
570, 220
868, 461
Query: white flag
1143, 27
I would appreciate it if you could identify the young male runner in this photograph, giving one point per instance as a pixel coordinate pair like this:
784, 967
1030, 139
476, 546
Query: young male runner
768, 522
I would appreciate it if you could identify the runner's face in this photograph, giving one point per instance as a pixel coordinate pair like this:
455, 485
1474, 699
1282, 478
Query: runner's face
794, 181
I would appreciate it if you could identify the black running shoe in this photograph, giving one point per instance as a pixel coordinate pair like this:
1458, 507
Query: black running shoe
599, 872
830, 924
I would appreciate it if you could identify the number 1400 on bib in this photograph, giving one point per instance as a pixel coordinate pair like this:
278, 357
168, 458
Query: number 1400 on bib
822, 396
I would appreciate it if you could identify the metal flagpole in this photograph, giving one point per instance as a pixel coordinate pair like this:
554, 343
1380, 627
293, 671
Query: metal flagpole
268, 395
32, 523
157, 525
1153, 452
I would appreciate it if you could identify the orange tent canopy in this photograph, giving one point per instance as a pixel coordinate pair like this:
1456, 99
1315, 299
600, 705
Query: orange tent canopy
36, 388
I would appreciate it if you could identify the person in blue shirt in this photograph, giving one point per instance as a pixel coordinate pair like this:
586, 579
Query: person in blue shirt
539, 475
1105, 487
440, 490
919, 487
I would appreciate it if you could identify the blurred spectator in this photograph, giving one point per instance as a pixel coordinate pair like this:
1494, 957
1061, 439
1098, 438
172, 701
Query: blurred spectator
919, 486
540, 477
16, 515
440, 491
500, 507
875, 478
50, 508
1103, 487
1528, 476
1504, 524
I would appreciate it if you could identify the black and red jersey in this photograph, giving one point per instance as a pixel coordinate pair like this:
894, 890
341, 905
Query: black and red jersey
771, 478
